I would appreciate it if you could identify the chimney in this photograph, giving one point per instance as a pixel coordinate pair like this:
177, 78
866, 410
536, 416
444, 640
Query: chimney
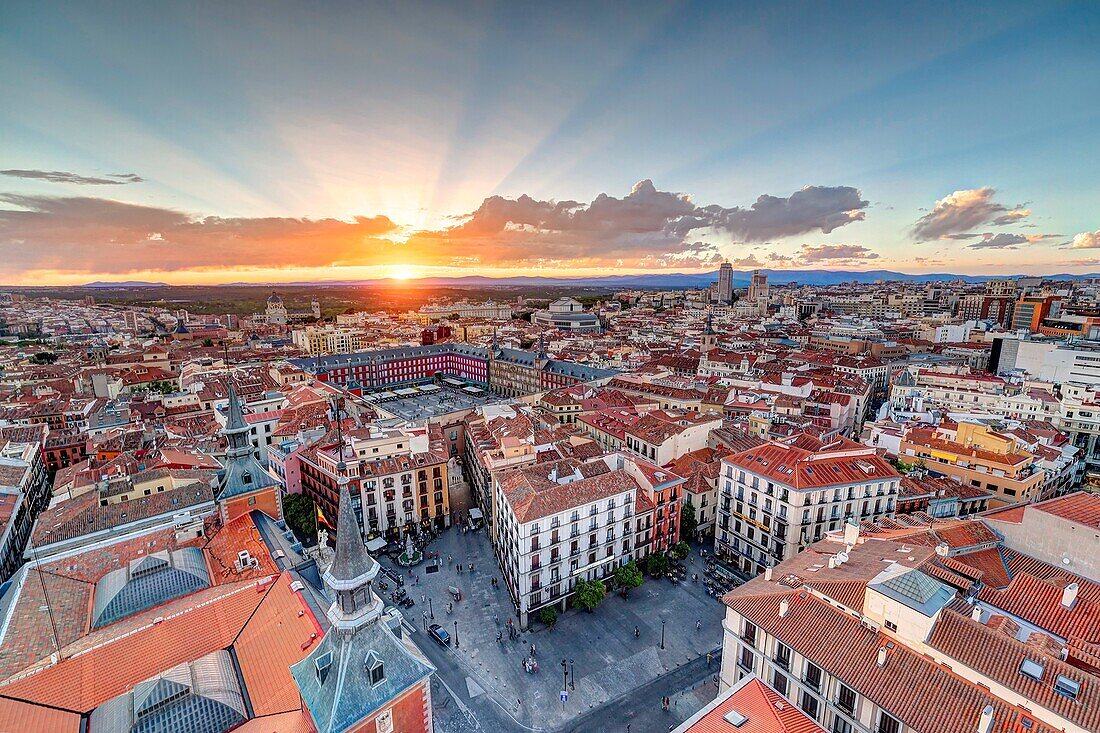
881, 656
832, 562
784, 607
851, 533
976, 613
985, 723
942, 549
768, 573
1069, 596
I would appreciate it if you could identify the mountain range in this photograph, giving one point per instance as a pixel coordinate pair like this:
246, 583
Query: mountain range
654, 280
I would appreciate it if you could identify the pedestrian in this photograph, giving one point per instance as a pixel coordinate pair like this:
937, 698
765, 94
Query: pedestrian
532, 650
698, 624
471, 567
708, 659
500, 636
418, 580
496, 619
637, 632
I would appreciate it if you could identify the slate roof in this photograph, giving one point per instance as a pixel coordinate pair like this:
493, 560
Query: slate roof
342, 694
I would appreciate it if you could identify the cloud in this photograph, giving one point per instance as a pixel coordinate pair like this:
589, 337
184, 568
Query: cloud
645, 228
1085, 261
111, 179
1005, 240
1086, 240
1012, 217
963, 210
999, 241
103, 235
831, 252
749, 261
814, 208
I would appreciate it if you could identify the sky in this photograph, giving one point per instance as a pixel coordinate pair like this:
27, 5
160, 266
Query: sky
273, 142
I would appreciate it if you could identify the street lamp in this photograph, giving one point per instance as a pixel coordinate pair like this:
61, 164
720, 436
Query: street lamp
662, 633
430, 609
456, 635
564, 675
572, 677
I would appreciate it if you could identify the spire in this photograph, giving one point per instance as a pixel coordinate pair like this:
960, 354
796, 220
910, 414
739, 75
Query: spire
709, 328
236, 429
493, 347
542, 346
352, 564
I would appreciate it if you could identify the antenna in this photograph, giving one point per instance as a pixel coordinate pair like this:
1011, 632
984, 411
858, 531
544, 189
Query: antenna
46, 597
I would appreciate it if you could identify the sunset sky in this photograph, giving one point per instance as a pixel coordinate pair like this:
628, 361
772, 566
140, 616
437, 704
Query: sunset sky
223, 142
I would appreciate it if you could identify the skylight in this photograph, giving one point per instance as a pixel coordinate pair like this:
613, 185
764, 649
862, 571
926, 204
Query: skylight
1032, 669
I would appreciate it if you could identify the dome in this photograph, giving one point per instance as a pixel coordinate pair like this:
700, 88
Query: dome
274, 299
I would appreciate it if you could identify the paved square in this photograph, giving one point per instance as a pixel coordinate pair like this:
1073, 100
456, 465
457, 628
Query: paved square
608, 662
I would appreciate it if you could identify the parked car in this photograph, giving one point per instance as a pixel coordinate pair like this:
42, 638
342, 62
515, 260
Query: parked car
440, 634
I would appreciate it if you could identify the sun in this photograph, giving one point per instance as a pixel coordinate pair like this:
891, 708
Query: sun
401, 272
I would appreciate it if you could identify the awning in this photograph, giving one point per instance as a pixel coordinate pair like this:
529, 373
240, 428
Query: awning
376, 544
430, 388
406, 392
475, 513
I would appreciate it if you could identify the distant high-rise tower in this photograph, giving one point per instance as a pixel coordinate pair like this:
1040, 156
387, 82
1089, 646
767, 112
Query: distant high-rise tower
758, 290
725, 283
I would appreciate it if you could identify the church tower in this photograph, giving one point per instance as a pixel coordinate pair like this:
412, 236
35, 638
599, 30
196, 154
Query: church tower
709, 340
349, 579
243, 484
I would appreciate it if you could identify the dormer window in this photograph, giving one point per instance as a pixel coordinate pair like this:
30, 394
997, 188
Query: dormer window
374, 668
1066, 687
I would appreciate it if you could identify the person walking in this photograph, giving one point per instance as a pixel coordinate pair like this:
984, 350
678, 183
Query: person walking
637, 632
698, 624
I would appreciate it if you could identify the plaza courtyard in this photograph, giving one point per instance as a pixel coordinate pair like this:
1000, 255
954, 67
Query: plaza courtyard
605, 662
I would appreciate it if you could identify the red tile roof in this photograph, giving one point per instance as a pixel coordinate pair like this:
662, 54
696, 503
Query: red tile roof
765, 709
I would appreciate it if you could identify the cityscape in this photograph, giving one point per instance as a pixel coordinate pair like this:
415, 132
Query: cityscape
510, 368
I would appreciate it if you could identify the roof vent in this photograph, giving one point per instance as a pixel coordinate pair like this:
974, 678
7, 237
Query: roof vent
784, 607
942, 549
1069, 596
768, 573
985, 723
881, 657
735, 718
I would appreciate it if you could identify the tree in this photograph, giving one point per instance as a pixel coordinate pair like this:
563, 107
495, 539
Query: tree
688, 522
44, 357
628, 576
208, 342
589, 594
301, 516
680, 550
549, 616
657, 564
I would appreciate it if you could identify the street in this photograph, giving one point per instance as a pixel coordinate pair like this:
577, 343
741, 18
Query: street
614, 678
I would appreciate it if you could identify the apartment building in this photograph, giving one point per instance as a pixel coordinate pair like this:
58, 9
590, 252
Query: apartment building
398, 478
776, 498
563, 521
316, 341
892, 634
662, 436
979, 457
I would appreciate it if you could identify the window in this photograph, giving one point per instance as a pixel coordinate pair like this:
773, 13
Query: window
1031, 669
1066, 687
747, 659
840, 725
887, 724
846, 699
809, 705
779, 682
782, 655
891, 626
813, 676
748, 635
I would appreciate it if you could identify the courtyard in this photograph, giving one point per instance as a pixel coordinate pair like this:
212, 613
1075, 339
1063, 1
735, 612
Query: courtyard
420, 407
678, 625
